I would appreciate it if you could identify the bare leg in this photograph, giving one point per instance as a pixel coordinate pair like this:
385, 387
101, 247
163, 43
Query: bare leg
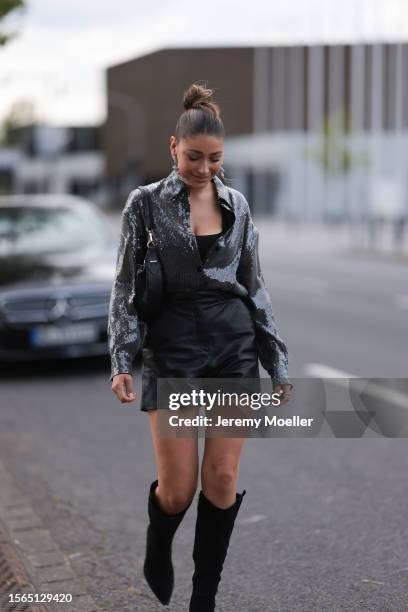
220, 468
177, 468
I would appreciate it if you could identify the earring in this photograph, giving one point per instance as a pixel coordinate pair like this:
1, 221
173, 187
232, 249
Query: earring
175, 164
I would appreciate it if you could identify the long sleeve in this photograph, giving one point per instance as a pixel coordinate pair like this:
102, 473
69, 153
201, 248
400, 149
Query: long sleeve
124, 335
273, 353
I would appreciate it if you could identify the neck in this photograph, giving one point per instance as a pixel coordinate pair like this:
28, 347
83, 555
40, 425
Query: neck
200, 191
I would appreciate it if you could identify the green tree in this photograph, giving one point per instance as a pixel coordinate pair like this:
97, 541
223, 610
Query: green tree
6, 8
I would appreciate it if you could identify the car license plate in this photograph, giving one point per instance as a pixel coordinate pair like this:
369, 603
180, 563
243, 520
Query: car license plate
51, 335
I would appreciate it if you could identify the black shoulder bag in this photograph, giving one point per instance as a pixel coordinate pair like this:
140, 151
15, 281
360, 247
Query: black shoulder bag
149, 275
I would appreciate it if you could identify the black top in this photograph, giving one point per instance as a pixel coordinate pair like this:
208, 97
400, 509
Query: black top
204, 243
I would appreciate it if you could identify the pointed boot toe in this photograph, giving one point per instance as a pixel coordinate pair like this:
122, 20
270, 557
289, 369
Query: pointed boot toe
158, 568
162, 586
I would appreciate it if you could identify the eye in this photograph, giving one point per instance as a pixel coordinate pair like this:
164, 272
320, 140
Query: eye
212, 161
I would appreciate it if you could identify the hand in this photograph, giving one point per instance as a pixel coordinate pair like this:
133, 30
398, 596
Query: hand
122, 387
284, 391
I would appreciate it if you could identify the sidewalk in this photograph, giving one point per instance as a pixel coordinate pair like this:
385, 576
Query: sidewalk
31, 563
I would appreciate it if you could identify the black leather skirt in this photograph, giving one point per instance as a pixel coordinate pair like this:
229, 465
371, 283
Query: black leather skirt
202, 334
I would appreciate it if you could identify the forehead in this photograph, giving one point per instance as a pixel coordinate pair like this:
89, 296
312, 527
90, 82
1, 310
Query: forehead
204, 143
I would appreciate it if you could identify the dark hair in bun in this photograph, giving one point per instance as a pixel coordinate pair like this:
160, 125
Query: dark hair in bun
201, 114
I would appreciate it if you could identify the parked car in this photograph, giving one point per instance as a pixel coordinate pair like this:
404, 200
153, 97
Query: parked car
57, 263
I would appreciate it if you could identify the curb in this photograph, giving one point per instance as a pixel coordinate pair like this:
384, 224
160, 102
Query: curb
31, 563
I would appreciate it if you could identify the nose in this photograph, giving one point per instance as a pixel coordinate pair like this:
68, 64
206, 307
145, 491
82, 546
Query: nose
204, 169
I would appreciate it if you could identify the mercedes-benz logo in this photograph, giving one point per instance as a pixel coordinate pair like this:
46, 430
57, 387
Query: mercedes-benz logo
59, 308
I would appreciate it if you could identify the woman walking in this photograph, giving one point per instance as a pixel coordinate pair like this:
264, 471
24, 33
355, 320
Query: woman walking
216, 321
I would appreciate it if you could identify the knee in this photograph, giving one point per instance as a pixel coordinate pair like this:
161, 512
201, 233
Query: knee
222, 477
176, 500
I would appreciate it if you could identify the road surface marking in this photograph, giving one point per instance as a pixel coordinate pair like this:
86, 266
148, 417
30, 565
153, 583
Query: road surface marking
339, 378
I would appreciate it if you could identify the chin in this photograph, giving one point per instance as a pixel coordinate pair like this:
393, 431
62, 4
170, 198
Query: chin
190, 178
203, 180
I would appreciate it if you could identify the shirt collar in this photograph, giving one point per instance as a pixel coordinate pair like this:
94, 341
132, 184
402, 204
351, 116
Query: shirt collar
175, 184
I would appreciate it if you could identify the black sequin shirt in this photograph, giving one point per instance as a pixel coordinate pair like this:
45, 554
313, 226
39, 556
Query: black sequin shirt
231, 264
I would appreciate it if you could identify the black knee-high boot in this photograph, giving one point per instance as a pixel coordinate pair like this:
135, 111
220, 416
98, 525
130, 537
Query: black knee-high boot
212, 535
158, 567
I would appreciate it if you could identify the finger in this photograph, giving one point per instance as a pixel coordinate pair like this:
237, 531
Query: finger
120, 391
123, 397
128, 387
281, 392
284, 396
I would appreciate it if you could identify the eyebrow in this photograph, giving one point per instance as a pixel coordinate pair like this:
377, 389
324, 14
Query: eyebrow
195, 151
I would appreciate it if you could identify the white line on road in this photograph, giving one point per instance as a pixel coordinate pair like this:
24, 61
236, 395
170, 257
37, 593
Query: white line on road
339, 377
319, 370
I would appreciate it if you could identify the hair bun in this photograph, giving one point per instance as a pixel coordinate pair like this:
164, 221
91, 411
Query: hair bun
197, 96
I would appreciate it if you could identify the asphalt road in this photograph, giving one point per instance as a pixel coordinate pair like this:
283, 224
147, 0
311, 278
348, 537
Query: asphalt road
323, 525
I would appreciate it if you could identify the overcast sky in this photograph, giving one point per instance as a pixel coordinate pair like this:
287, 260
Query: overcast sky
63, 48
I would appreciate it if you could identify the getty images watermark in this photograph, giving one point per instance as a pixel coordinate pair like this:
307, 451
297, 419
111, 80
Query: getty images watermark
341, 408
199, 398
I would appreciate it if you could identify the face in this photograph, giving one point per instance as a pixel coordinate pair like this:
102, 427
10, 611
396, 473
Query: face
199, 158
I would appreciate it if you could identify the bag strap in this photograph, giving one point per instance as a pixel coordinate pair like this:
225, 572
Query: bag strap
148, 217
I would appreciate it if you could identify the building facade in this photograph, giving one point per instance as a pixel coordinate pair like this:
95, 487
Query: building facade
50, 159
312, 131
